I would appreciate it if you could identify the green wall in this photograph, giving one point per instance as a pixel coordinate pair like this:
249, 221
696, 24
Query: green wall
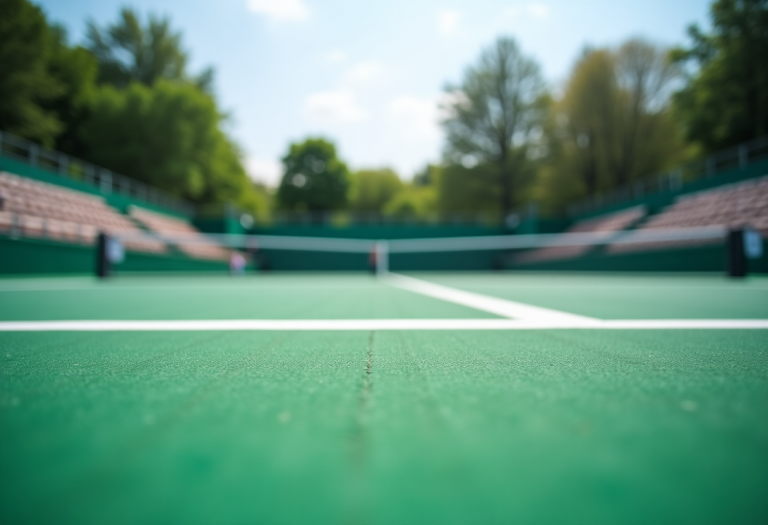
28, 256
33, 256
38, 256
284, 260
379, 231
323, 261
710, 258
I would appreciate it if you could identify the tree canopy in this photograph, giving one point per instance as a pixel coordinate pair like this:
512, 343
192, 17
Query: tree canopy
75, 70
613, 123
168, 136
147, 119
370, 190
494, 115
26, 82
128, 51
314, 178
725, 100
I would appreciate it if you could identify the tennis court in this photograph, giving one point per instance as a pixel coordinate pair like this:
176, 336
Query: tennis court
347, 398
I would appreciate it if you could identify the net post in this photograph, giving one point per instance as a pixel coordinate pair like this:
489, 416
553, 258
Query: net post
736, 259
382, 258
102, 259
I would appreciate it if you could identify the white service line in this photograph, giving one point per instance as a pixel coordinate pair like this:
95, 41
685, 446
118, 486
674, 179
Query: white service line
494, 305
376, 324
684, 324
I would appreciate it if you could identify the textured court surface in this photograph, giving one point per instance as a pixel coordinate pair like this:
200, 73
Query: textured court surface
560, 426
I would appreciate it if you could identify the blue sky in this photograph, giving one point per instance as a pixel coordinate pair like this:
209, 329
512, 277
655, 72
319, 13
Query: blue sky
369, 74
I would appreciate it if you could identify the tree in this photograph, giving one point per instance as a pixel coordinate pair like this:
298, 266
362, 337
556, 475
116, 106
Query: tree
314, 178
613, 124
370, 190
129, 52
428, 175
26, 82
725, 101
168, 136
413, 200
465, 189
46, 85
75, 69
590, 118
644, 76
495, 114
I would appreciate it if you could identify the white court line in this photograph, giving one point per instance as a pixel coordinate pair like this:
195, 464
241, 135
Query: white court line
378, 324
494, 305
238, 286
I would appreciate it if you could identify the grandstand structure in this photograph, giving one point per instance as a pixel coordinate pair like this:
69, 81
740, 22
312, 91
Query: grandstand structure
37, 209
604, 226
165, 226
65, 219
739, 205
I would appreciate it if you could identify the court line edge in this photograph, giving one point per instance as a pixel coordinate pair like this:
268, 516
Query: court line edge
486, 303
375, 324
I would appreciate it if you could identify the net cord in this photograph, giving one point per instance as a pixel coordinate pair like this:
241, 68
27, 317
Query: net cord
448, 244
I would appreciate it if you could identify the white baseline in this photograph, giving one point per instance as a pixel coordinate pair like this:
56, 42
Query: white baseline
376, 324
519, 316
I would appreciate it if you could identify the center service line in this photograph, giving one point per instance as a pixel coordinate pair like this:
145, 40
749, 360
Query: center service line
485, 303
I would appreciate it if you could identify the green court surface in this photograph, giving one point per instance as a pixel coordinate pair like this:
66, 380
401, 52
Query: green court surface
276, 297
387, 426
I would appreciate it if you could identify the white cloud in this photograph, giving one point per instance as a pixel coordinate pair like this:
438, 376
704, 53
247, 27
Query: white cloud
367, 73
447, 22
343, 104
334, 107
335, 57
280, 9
537, 10
415, 117
268, 171
532, 9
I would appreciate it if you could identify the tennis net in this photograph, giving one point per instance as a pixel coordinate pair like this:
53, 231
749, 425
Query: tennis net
621, 250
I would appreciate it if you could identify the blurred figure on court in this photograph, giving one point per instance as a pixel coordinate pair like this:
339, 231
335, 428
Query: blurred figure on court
236, 264
373, 259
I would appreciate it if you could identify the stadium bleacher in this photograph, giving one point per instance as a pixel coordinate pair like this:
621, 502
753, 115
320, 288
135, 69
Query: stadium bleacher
167, 226
743, 204
607, 224
37, 209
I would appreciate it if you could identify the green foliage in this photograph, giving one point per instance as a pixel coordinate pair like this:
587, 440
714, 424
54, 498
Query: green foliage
462, 189
129, 52
75, 69
613, 124
26, 83
413, 200
725, 101
149, 121
495, 115
314, 178
430, 174
168, 136
371, 190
